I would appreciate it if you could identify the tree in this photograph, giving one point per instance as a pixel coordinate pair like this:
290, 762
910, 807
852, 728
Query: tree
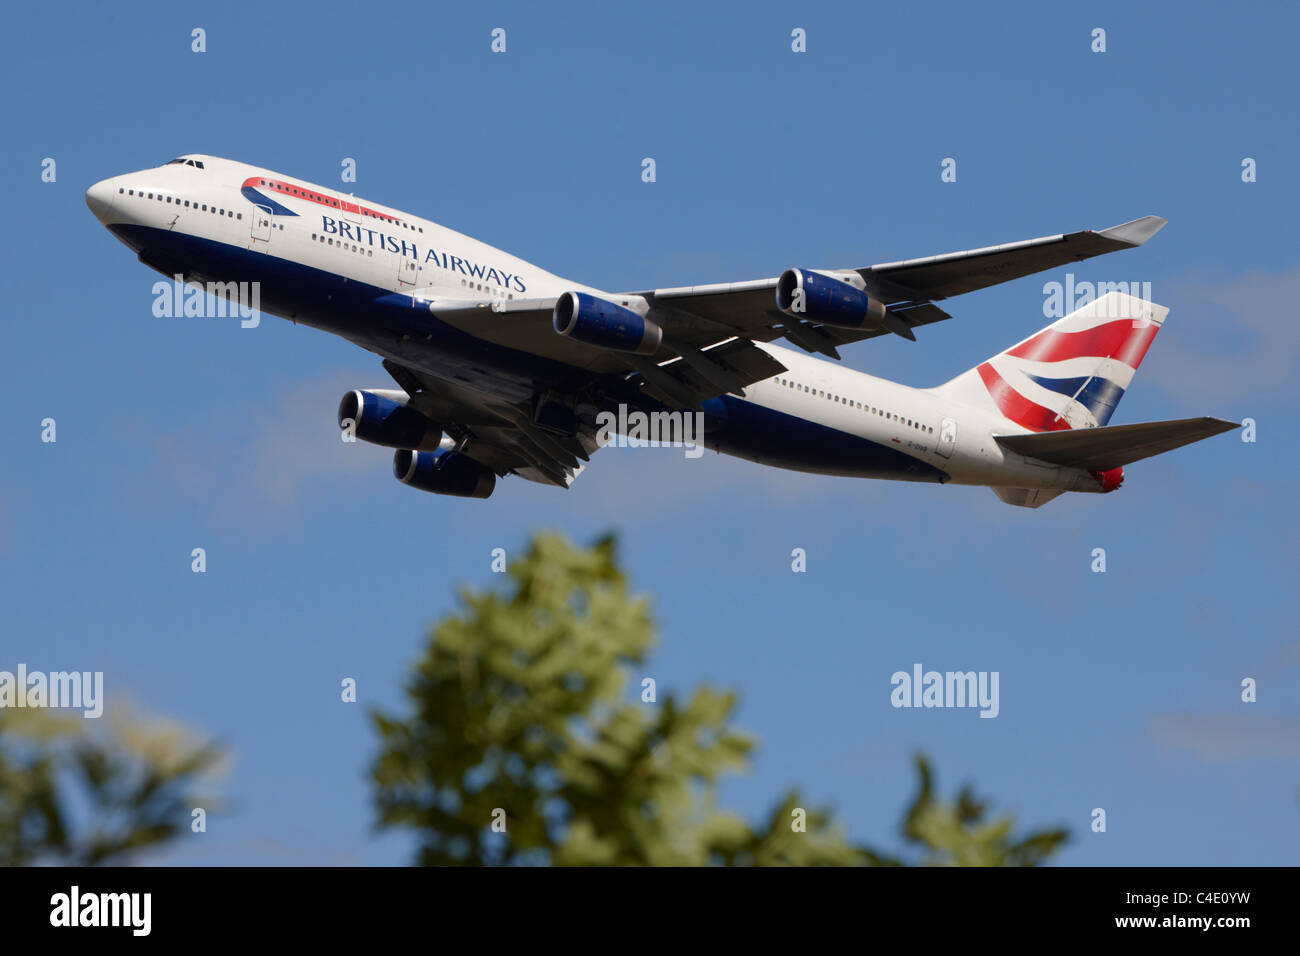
953, 834
520, 746
74, 792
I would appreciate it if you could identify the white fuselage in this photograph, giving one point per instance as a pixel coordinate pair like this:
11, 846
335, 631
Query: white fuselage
176, 214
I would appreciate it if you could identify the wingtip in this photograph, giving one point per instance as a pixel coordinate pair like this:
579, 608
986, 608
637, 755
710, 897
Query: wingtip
1136, 231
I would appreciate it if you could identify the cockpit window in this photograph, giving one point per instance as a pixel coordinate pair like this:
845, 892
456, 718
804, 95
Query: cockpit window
184, 162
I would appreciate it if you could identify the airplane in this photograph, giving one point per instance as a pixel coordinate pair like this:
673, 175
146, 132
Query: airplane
503, 368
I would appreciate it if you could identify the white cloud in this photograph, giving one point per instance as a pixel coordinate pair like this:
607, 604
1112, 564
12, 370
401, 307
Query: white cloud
259, 459
1216, 738
1228, 341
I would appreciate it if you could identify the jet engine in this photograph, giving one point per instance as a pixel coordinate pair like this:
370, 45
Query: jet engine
382, 417
818, 297
444, 472
605, 325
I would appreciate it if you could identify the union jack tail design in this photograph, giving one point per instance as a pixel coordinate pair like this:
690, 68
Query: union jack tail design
1073, 373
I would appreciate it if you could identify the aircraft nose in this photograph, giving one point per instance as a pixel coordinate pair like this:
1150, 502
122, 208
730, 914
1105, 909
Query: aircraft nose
99, 198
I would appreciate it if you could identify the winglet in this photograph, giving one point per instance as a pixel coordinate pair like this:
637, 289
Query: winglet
1136, 232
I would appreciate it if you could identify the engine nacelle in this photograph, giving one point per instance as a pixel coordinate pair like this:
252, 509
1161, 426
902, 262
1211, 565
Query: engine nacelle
605, 325
806, 294
444, 472
382, 417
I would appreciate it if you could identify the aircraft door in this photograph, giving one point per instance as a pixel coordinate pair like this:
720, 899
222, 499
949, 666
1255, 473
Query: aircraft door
408, 269
260, 228
947, 438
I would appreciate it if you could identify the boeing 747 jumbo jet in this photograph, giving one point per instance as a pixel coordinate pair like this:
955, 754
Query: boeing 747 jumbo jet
504, 368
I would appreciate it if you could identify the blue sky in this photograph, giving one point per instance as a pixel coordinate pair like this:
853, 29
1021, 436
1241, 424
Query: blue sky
1118, 690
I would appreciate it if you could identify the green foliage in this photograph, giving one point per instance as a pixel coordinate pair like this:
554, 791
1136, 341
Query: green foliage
76, 793
518, 704
955, 834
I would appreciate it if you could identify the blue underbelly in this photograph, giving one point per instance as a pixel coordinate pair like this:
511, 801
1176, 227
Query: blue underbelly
747, 430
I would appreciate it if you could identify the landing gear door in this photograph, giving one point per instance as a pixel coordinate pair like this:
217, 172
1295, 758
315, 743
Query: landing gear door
260, 228
947, 438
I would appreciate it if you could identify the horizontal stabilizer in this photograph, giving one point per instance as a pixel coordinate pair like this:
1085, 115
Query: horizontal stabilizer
1100, 449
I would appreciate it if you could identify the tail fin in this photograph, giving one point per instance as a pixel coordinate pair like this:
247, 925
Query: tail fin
1073, 373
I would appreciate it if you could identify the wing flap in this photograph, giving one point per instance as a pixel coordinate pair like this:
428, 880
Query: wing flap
1100, 449
682, 382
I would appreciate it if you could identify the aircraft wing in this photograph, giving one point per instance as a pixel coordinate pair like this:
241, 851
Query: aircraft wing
908, 288
687, 370
501, 432
709, 330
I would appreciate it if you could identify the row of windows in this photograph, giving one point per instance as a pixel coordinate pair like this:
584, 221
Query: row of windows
329, 201
869, 409
329, 240
485, 288
395, 222
202, 207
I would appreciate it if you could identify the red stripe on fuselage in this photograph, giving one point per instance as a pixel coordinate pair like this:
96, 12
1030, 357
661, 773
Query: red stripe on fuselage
1018, 408
311, 195
1120, 340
